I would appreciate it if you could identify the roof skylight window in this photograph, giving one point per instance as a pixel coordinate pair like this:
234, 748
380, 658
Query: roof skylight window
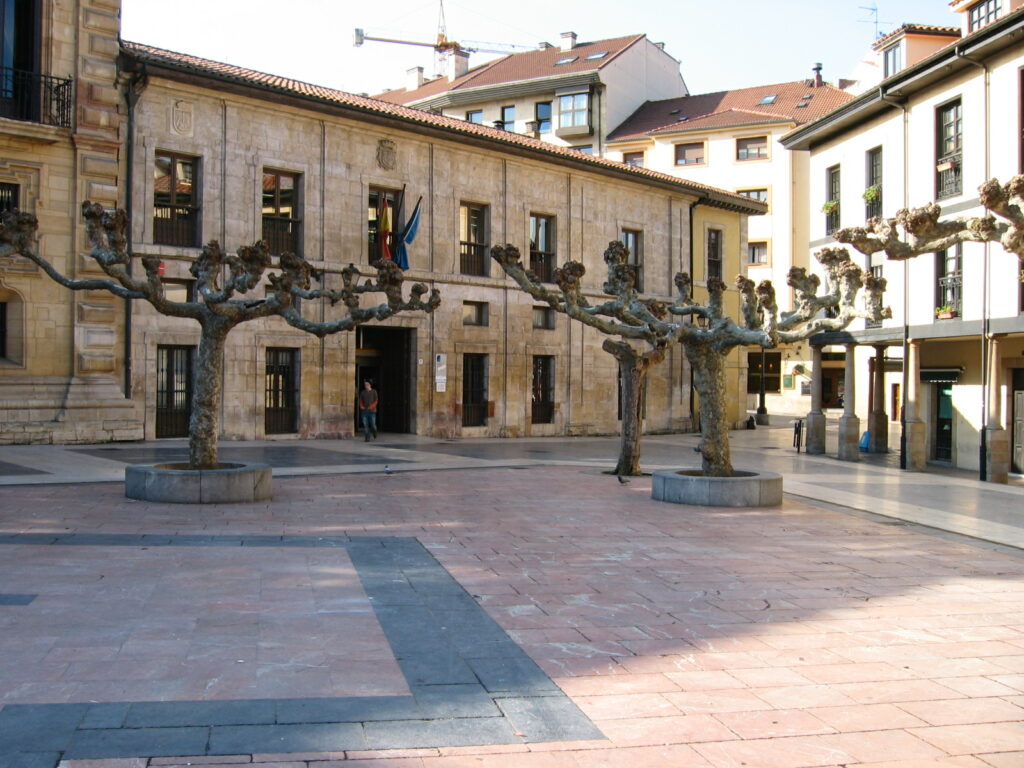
600, 55
770, 99
566, 60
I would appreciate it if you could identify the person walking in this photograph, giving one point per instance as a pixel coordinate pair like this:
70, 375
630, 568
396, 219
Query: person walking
368, 401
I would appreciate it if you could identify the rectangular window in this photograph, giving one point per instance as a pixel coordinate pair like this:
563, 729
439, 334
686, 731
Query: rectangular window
508, 118
586, 149
634, 242
949, 288
980, 14
179, 290
873, 188
543, 390
173, 390
10, 196
761, 195
690, 154
473, 239
281, 218
892, 59
831, 207
772, 372
877, 272
755, 148
175, 200
635, 159
714, 269
475, 116
281, 401
949, 150
381, 222
542, 247
474, 390
574, 110
757, 254
543, 116
544, 318
474, 313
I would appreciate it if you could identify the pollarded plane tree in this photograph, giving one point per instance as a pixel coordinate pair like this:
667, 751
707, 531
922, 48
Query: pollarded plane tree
916, 231
647, 328
222, 280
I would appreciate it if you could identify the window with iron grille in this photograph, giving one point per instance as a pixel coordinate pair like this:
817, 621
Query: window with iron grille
757, 254
754, 148
474, 313
635, 159
873, 188
714, 254
173, 390
281, 214
832, 192
980, 14
474, 390
892, 59
949, 286
690, 154
949, 127
473, 239
10, 196
542, 112
381, 223
543, 389
542, 247
772, 372
544, 318
634, 241
175, 200
281, 401
25, 93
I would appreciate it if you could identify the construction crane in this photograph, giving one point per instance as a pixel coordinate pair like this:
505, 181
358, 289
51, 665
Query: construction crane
443, 45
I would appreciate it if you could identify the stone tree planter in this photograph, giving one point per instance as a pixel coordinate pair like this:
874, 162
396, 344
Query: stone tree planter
175, 483
692, 486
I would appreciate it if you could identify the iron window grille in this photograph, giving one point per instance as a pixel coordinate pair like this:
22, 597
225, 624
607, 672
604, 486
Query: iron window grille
173, 390
949, 286
542, 247
473, 239
873, 201
175, 203
772, 372
949, 150
281, 400
34, 98
832, 192
474, 390
543, 405
281, 220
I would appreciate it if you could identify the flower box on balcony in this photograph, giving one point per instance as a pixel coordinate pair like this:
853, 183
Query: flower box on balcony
945, 313
949, 165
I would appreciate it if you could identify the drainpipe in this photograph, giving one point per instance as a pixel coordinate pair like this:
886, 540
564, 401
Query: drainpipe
133, 90
901, 103
986, 277
693, 414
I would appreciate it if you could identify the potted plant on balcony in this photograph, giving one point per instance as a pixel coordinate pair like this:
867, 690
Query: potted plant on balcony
872, 194
945, 312
830, 207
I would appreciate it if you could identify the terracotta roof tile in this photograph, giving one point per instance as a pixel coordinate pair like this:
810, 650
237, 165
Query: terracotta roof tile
529, 65
916, 29
744, 106
328, 96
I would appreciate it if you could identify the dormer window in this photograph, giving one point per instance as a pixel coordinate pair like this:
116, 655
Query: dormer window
980, 14
892, 59
769, 99
594, 56
566, 60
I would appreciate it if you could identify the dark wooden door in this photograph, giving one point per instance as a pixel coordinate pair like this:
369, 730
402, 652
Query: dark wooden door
281, 414
173, 390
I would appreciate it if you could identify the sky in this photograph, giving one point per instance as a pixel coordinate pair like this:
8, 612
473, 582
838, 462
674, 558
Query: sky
720, 44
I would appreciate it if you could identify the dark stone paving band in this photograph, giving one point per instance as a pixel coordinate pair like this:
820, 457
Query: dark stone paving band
470, 683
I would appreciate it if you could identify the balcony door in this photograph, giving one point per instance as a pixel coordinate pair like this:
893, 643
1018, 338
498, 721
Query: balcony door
19, 58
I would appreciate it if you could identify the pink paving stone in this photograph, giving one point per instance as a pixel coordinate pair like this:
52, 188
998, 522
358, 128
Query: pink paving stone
894, 691
802, 696
769, 677
495, 760
792, 752
704, 681
484, 749
961, 712
1004, 759
389, 753
669, 756
733, 700
854, 673
866, 717
974, 739
677, 729
941, 762
976, 686
1013, 681
201, 760
776, 722
625, 705
611, 684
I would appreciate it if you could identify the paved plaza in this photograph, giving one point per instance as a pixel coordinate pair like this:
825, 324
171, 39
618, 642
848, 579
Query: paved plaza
503, 603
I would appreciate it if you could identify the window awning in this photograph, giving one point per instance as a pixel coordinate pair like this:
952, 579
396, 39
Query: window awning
941, 375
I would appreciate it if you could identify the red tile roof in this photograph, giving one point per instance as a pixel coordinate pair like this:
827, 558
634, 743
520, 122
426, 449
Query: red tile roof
724, 109
916, 29
180, 62
516, 67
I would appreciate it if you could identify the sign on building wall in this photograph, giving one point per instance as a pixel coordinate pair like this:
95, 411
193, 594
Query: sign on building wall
441, 372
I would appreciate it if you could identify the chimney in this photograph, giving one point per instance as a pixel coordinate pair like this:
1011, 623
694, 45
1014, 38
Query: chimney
413, 78
543, 46
458, 64
818, 82
568, 41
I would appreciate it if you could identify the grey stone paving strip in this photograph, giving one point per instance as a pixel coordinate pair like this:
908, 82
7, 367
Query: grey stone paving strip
470, 683
9, 599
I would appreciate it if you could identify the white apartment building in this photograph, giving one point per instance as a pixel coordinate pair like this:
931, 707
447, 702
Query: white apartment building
950, 362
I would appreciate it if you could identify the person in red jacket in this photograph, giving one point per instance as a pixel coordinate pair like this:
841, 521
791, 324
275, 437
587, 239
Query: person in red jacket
368, 409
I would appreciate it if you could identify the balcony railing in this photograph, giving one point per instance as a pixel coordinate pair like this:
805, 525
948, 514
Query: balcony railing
176, 225
542, 413
542, 265
948, 181
472, 258
282, 235
950, 292
35, 98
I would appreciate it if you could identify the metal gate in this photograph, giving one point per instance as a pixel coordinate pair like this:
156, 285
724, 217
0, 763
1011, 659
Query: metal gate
1018, 432
173, 390
474, 390
282, 397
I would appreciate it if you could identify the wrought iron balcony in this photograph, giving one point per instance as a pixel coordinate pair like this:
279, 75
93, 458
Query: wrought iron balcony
35, 98
281, 234
948, 181
473, 258
950, 292
542, 265
176, 225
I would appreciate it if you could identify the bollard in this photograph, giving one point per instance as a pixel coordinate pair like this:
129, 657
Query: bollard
798, 433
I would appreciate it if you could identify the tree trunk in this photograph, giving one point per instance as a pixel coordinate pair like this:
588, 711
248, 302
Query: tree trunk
709, 381
633, 368
203, 423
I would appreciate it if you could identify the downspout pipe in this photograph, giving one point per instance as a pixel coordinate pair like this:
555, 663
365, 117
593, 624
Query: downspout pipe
693, 413
133, 90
